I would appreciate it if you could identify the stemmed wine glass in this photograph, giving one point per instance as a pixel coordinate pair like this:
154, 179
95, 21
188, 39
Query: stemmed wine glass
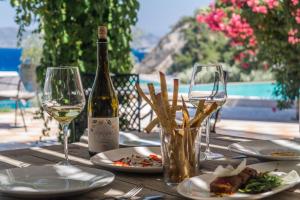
208, 83
63, 98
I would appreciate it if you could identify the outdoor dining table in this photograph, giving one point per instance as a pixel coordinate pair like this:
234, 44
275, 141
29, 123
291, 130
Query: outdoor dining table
153, 183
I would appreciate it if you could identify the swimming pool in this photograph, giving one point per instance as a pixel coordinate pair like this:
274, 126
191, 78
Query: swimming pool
260, 90
10, 104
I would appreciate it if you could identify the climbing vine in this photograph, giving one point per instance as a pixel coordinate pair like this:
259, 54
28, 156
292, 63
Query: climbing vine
69, 30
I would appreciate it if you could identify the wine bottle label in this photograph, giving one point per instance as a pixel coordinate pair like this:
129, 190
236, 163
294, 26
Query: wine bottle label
103, 134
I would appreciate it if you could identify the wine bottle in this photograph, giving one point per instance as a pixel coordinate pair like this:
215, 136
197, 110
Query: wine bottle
103, 105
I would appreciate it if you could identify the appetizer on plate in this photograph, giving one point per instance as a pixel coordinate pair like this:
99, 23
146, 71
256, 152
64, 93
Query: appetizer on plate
231, 184
247, 180
153, 160
255, 181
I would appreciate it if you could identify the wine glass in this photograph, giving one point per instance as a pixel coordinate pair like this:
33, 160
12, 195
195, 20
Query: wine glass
208, 83
63, 98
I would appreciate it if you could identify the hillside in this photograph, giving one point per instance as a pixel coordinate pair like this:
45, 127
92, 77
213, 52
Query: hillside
189, 43
186, 44
161, 56
142, 39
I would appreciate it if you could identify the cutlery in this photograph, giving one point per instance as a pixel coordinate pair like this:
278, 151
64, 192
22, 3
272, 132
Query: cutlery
130, 194
153, 197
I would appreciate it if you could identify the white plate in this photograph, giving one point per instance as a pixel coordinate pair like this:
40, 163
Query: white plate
198, 187
140, 139
52, 181
106, 159
264, 148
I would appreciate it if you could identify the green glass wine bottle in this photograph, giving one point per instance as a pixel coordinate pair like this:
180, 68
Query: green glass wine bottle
103, 105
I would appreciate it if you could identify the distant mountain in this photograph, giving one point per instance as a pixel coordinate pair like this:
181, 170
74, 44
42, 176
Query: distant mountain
143, 40
161, 56
8, 37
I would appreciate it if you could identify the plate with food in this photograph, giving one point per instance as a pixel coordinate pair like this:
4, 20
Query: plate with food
243, 182
132, 159
268, 149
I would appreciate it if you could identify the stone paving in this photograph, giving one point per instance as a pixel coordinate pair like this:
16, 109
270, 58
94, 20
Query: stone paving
15, 137
251, 129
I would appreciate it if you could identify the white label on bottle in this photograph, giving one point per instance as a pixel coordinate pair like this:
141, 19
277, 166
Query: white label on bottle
103, 134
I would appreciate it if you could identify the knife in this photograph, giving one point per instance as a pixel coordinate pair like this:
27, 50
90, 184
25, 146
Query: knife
153, 197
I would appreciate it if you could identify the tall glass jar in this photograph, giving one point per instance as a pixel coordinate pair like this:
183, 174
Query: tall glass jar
180, 154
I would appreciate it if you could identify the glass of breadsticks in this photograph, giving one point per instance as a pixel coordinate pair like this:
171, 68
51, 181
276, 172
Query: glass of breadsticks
180, 142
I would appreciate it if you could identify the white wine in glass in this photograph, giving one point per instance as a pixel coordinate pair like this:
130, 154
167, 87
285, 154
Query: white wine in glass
208, 83
63, 98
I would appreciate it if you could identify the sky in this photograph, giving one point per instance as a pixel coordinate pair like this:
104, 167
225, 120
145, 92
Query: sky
155, 16
7, 15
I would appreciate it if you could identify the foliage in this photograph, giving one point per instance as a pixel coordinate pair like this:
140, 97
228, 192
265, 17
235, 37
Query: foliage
69, 30
205, 46
32, 47
265, 33
202, 45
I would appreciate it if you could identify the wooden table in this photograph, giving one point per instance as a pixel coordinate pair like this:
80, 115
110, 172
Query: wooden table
124, 181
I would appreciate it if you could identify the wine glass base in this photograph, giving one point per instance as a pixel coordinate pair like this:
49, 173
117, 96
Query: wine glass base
213, 156
65, 163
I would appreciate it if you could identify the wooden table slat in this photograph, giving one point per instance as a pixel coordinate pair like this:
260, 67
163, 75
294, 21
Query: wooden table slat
124, 181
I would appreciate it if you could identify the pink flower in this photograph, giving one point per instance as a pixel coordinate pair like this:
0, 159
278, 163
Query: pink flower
297, 16
251, 52
245, 65
235, 43
260, 9
252, 3
295, 2
292, 32
214, 19
252, 41
272, 3
200, 18
293, 40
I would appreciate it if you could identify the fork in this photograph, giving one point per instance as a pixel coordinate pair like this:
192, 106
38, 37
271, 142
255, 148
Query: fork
128, 195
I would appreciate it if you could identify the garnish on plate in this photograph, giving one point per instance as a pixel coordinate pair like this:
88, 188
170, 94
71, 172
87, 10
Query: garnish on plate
262, 183
153, 160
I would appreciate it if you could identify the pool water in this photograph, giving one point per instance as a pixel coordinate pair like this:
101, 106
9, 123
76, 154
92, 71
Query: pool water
261, 90
10, 104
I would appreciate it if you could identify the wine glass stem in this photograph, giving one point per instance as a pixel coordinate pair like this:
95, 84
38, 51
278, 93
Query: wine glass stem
65, 128
207, 134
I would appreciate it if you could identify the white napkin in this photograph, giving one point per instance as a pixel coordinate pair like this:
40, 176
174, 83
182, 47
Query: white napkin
220, 171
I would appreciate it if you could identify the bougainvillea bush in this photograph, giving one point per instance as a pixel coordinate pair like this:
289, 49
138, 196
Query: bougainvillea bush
266, 34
